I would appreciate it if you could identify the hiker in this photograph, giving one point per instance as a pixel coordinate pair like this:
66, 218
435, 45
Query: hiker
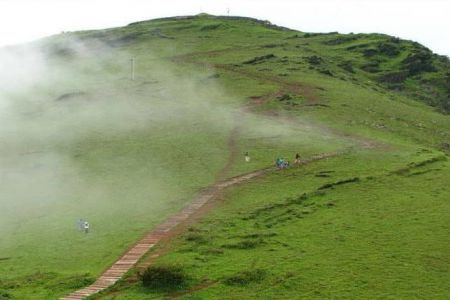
80, 224
86, 227
279, 163
297, 159
247, 157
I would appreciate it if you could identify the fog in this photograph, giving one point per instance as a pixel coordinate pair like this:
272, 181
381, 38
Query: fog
80, 139
56, 98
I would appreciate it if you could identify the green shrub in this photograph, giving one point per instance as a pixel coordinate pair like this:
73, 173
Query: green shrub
164, 278
419, 62
5, 295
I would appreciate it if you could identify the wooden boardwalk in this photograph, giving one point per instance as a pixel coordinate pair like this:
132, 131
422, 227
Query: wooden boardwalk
132, 256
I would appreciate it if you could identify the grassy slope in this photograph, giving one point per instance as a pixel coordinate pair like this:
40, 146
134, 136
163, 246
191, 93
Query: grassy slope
377, 238
126, 169
369, 239
351, 105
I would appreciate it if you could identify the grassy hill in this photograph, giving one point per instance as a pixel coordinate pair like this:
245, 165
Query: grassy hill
84, 140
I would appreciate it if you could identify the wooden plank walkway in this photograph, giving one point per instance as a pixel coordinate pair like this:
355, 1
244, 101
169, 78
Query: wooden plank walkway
132, 256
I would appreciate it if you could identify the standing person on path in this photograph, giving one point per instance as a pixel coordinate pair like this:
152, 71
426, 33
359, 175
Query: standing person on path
86, 227
80, 225
247, 157
297, 159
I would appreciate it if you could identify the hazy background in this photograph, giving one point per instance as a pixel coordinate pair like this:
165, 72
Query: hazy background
425, 21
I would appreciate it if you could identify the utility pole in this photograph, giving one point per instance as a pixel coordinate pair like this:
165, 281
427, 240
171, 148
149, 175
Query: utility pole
228, 11
132, 68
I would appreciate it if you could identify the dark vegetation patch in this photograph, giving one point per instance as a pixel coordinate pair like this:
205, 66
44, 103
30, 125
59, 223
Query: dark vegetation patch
291, 209
49, 280
71, 96
445, 147
148, 82
322, 175
314, 60
372, 66
314, 34
73, 282
259, 235
419, 61
273, 45
317, 105
290, 100
317, 63
347, 66
5, 295
214, 76
259, 59
246, 277
389, 48
393, 77
415, 165
340, 182
369, 52
422, 172
245, 244
195, 237
273, 206
213, 251
164, 278
284, 97
326, 72
341, 39
357, 47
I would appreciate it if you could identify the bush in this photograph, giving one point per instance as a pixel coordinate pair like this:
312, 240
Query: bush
394, 77
314, 60
388, 49
246, 277
347, 66
419, 62
167, 277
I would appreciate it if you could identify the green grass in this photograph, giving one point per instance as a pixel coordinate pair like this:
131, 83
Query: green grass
126, 154
378, 237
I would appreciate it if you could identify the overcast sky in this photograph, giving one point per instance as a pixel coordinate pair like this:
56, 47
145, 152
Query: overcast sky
425, 21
